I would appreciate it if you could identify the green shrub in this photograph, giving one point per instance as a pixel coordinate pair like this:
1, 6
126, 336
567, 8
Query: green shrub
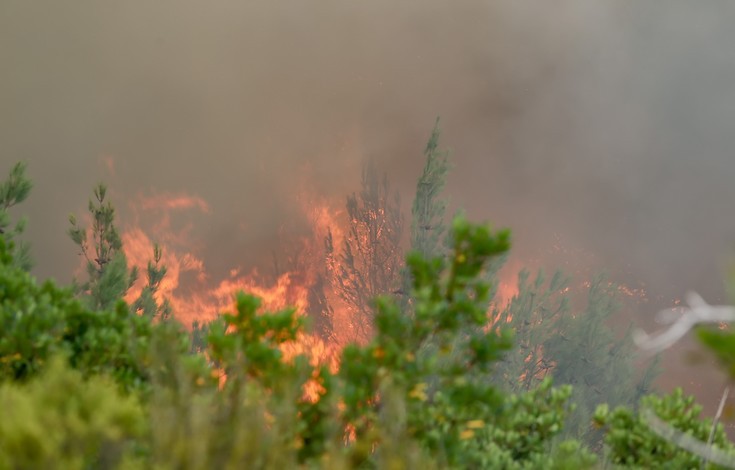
632, 443
60, 420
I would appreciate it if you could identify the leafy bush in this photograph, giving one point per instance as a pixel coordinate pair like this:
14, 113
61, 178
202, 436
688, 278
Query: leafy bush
60, 420
39, 322
632, 443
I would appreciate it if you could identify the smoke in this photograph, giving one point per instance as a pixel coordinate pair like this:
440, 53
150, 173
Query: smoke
601, 127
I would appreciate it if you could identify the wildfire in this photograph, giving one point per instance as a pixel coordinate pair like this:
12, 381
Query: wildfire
190, 287
506, 290
300, 278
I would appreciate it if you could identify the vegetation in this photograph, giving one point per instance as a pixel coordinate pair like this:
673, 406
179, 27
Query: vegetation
87, 381
13, 191
574, 346
106, 265
368, 263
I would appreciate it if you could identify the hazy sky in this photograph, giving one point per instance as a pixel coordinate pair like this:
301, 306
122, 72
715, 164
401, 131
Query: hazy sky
604, 127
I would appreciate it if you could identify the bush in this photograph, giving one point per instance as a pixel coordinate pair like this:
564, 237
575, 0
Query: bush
60, 420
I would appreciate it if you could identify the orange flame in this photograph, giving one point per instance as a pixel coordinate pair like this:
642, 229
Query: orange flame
189, 288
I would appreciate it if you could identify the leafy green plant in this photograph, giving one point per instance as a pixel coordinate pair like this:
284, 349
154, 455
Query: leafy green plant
60, 420
438, 360
108, 277
14, 190
39, 322
632, 441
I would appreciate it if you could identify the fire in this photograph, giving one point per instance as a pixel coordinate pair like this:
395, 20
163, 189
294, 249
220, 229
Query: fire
196, 295
506, 290
190, 288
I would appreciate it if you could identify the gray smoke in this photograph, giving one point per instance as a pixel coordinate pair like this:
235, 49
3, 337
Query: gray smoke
605, 127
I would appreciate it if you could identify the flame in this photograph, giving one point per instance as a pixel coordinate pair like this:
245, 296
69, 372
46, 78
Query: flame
193, 293
196, 296
507, 289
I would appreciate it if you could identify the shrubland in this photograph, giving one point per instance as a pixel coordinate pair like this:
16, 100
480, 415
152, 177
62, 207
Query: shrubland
88, 381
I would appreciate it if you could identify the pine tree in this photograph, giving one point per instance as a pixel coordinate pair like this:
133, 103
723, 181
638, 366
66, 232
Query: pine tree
146, 304
369, 262
429, 234
109, 278
599, 366
577, 348
13, 191
428, 227
531, 314
107, 268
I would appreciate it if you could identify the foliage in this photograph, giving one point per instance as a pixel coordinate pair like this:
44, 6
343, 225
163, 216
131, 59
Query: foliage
428, 226
450, 408
98, 384
60, 420
146, 304
722, 345
244, 351
39, 322
575, 346
108, 276
531, 314
395, 408
631, 443
599, 365
428, 209
106, 264
13, 191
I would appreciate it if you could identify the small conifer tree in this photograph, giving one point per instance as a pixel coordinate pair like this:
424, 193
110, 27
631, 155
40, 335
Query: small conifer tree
146, 303
13, 191
107, 269
108, 275
575, 347
428, 227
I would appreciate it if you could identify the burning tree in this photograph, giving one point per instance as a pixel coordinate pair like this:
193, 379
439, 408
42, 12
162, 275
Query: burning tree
368, 263
320, 311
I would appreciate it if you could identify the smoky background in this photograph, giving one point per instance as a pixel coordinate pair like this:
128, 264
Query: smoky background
604, 128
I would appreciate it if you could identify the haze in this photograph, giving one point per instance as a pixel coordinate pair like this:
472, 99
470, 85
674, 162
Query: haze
601, 127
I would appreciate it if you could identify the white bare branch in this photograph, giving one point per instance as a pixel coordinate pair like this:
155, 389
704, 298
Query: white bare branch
698, 312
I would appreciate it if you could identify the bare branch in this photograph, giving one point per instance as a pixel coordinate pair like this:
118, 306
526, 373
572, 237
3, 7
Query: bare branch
698, 312
720, 409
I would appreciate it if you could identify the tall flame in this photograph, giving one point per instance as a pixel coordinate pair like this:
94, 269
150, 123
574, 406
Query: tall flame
189, 286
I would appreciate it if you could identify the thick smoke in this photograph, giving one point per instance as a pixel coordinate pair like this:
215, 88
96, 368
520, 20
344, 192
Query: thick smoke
605, 127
